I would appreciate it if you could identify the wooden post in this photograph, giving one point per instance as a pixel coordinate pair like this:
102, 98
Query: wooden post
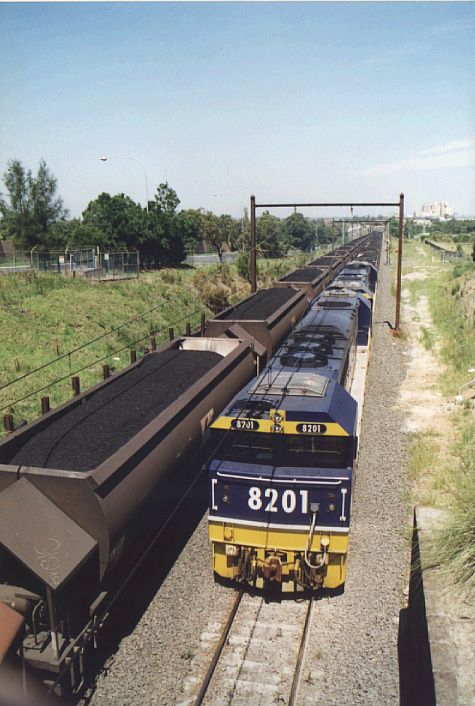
76, 385
188, 329
171, 335
133, 357
8, 423
106, 371
202, 325
45, 405
153, 343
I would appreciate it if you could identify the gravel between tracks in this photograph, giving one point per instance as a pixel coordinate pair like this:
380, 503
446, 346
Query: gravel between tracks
353, 650
152, 663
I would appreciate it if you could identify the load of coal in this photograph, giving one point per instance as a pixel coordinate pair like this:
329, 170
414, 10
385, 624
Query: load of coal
259, 307
88, 433
325, 261
307, 274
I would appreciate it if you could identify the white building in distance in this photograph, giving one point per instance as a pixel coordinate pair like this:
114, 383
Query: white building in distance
439, 211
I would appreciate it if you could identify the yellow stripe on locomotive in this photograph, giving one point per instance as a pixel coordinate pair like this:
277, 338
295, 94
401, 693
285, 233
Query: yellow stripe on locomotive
277, 424
278, 555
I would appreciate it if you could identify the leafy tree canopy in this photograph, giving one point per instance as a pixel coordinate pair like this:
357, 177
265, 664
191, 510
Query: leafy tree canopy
300, 232
165, 201
117, 221
31, 205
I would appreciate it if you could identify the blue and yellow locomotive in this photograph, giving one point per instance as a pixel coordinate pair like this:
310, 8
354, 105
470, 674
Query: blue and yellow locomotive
281, 475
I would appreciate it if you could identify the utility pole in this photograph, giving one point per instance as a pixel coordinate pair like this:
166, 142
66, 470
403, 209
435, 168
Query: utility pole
399, 263
253, 245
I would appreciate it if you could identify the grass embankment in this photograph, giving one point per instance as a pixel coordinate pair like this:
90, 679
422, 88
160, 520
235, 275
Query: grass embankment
446, 462
44, 316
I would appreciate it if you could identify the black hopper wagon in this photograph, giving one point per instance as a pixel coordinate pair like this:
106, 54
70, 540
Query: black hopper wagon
75, 486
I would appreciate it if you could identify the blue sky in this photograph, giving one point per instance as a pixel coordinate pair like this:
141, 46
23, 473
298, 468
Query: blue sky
291, 101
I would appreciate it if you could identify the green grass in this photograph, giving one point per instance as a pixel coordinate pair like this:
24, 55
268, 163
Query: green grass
445, 477
454, 332
43, 316
453, 545
424, 453
427, 338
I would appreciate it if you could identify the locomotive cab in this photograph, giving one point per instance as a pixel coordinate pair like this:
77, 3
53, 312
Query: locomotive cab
280, 483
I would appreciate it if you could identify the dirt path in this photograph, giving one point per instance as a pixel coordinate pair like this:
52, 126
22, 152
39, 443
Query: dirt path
423, 404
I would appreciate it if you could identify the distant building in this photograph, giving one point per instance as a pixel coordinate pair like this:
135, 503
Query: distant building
437, 211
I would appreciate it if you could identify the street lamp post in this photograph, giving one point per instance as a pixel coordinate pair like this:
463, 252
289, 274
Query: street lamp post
106, 159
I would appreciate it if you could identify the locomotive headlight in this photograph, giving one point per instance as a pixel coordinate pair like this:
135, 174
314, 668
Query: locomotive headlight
276, 428
277, 417
232, 550
225, 498
331, 507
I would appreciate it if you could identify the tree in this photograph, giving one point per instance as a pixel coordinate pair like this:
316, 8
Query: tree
325, 232
272, 240
117, 221
33, 206
230, 230
300, 231
166, 228
244, 265
166, 200
74, 234
192, 231
212, 232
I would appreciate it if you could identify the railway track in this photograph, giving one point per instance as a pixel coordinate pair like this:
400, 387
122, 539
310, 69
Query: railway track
260, 654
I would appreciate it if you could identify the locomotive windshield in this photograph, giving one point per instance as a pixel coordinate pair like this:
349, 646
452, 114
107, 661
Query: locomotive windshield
288, 450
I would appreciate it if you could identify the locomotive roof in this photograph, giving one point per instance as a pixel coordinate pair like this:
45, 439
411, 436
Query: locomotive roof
303, 397
338, 318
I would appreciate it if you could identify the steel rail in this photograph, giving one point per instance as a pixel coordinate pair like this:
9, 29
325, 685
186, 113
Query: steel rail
217, 653
301, 655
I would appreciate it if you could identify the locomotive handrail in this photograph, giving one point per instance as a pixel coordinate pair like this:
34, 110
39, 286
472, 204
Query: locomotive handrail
332, 481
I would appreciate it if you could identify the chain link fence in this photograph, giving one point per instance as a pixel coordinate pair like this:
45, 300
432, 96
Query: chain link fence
89, 263
14, 261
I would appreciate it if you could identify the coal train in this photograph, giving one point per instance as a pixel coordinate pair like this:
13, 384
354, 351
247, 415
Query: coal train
286, 446
77, 485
